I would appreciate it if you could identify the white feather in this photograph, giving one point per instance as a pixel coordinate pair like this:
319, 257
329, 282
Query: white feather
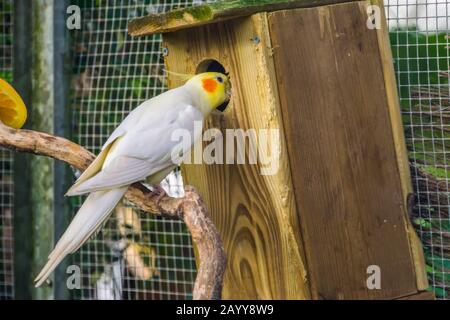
141, 150
123, 171
94, 211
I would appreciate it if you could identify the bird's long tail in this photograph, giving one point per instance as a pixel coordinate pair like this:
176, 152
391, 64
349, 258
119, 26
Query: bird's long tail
91, 216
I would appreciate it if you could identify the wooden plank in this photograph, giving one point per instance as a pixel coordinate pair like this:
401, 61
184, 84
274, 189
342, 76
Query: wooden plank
346, 176
213, 12
400, 145
255, 214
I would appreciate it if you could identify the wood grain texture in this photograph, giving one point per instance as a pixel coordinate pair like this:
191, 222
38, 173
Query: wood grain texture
423, 295
255, 214
212, 13
400, 146
342, 149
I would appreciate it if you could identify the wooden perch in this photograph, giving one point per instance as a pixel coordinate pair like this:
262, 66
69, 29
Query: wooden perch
191, 209
213, 12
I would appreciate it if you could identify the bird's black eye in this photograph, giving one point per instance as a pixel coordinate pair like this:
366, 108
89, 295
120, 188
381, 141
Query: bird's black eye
219, 79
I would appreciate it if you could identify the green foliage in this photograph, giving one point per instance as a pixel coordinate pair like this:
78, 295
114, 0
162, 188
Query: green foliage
6, 75
418, 59
439, 173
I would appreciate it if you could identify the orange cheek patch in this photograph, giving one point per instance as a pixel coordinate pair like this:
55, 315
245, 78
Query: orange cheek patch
209, 85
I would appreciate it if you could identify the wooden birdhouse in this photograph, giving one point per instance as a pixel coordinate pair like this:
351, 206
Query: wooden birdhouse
332, 221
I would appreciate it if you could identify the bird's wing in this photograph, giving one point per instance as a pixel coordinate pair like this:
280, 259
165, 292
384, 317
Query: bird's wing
120, 131
143, 151
152, 111
121, 172
111, 143
95, 166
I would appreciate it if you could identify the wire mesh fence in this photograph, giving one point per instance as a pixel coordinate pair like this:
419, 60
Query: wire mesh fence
135, 256
420, 45
6, 162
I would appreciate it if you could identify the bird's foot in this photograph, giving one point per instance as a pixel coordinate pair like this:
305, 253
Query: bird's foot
158, 191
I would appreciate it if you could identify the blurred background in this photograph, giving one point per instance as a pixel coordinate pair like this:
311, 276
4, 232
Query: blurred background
86, 81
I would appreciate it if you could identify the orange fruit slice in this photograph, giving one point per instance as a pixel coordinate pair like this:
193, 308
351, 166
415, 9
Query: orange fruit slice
13, 112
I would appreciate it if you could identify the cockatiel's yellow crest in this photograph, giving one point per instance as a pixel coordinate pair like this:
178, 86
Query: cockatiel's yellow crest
141, 147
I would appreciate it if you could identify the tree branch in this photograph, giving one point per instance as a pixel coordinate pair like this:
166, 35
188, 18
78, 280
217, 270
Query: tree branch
190, 209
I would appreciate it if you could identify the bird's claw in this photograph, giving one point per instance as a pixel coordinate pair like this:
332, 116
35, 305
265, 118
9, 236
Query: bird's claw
158, 191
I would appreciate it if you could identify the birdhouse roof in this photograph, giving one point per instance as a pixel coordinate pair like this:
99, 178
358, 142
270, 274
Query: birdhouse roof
213, 12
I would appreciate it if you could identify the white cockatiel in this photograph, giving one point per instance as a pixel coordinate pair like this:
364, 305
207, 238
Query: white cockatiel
141, 147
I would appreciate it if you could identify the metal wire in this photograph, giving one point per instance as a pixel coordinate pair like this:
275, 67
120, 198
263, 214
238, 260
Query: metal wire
420, 45
135, 256
6, 163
